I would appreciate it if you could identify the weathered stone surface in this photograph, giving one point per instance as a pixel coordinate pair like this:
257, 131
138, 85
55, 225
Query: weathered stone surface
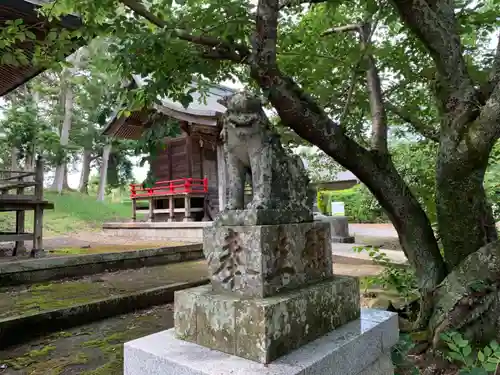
262, 217
260, 261
279, 179
265, 329
353, 349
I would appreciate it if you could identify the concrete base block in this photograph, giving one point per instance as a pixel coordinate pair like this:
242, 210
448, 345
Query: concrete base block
361, 347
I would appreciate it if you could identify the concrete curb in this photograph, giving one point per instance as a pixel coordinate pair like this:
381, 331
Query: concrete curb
18, 329
53, 268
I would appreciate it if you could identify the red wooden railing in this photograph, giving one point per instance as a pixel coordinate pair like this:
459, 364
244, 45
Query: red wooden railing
171, 187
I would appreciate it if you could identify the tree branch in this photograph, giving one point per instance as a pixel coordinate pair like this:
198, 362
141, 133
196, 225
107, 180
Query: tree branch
342, 29
301, 113
288, 3
350, 93
486, 131
231, 51
412, 120
377, 109
266, 34
434, 23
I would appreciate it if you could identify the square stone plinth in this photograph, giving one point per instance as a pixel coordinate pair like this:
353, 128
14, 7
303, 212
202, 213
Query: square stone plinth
262, 260
263, 217
263, 329
361, 347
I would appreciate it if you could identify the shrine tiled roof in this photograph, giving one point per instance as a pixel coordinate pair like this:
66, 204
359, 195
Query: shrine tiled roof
203, 110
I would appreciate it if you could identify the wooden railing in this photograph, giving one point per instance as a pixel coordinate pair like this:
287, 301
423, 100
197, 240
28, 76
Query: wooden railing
168, 190
170, 187
20, 202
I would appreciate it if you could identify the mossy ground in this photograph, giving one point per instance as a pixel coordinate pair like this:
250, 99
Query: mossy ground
24, 300
94, 349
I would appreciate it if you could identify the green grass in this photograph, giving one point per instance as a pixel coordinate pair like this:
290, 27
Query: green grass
73, 212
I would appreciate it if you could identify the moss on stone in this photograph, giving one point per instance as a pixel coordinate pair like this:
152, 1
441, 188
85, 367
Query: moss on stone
107, 341
56, 366
31, 357
114, 364
61, 334
53, 296
21, 300
112, 248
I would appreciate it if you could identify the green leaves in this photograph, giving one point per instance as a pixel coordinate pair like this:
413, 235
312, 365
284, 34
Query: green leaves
474, 362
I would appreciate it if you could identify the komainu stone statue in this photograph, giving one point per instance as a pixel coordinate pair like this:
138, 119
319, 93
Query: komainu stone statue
279, 180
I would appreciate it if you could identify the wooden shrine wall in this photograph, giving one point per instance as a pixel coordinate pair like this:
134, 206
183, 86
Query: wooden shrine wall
189, 156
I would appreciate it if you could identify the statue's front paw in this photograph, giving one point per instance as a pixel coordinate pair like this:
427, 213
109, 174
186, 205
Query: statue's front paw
257, 205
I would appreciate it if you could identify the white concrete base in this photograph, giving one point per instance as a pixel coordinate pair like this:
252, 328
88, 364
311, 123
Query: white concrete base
361, 347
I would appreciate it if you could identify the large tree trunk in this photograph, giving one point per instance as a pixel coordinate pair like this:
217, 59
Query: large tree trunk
14, 154
84, 177
65, 179
465, 216
67, 96
67, 99
103, 172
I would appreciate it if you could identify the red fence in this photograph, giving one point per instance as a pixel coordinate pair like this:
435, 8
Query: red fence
172, 187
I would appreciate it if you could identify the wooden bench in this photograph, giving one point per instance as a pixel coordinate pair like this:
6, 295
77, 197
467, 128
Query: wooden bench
186, 188
20, 203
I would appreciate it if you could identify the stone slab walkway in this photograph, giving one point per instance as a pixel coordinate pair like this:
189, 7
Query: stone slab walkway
24, 300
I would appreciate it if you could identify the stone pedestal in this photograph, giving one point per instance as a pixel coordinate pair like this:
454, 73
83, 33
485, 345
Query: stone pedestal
262, 260
339, 227
272, 291
361, 347
264, 329
263, 217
